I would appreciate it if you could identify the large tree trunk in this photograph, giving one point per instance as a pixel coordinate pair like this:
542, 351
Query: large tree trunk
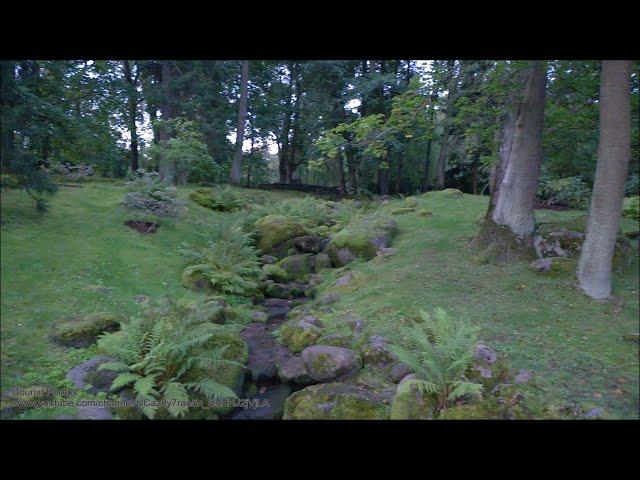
6, 125
283, 152
509, 224
399, 166
132, 111
236, 166
614, 152
441, 166
166, 168
295, 149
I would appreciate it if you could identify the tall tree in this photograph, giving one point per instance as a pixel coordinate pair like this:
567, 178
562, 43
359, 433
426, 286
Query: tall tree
614, 151
166, 167
509, 223
236, 166
132, 78
451, 83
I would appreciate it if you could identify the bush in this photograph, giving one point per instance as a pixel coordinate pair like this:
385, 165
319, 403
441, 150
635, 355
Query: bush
569, 192
229, 263
164, 357
224, 199
150, 197
444, 350
631, 207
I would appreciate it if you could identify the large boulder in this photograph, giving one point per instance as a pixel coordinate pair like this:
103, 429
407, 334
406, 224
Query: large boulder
309, 244
80, 331
335, 401
323, 261
326, 363
363, 237
276, 233
299, 334
89, 373
297, 266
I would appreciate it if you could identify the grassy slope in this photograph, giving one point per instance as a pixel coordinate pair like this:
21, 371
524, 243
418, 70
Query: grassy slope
571, 343
48, 261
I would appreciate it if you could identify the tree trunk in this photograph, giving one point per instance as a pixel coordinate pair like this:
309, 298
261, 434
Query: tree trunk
236, 166
132, 112
509, 223
295, 149
441, 166
614, 152
166, 168
474, 176
283, 152
427, 163
351, 167
340, 164
399, 173
6, 124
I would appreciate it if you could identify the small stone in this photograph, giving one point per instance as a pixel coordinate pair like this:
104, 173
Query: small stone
327, 298
484, 353
345, 279
292, 370
386, 252
523, 376
399, 371
268, 259
541, 265
88, 373
141, 299
259, 317
309, 244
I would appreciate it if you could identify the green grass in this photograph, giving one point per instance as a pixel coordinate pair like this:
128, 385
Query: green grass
570, 343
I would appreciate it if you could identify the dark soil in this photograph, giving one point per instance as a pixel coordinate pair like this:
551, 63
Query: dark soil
142, 226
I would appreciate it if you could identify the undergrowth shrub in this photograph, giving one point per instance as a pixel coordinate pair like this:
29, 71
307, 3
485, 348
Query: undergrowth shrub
150, 198
440, 351
631, 207
570, 192
224, 199
229, 261
159, 357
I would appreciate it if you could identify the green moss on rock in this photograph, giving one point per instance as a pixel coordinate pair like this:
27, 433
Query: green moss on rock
193, 279
82, 330
298, 335
364, 236
275, 272
277, 233
402, 210
297, 266
334, 401
410, 404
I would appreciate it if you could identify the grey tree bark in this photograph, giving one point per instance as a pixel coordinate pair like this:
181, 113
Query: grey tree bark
441, 166
509, 224
516, 191
236, 166
614, 152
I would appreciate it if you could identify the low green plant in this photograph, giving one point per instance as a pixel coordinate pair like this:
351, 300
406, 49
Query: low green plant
224, 199
157, 355
631, 207
229, 262
570, 192
441, 351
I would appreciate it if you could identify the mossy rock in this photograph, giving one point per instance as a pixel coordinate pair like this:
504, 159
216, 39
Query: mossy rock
423, 212
297, 266
335, 401
275, 272
195, 280
231, 376
402, 210
277, 233
225, 202
560, 267
410, 404
411, 202
81, 331
364, 237
489, 409
322, 262
298, 335
451, 193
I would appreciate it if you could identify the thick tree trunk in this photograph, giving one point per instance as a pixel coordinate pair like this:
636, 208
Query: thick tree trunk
341, 182
399, 166
6, 125
295, 150
283, 152
614, 152
509, 223
427, 164
166, 168
441, 166
132, 113
236, 166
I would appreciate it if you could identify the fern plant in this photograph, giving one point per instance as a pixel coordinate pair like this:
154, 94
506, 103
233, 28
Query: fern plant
229, 262
159, 359
441, 351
